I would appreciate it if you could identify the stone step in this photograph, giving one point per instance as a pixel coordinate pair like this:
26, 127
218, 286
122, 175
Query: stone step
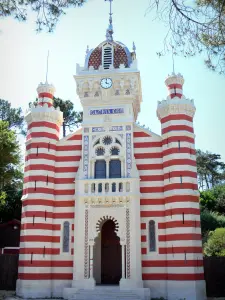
105, 294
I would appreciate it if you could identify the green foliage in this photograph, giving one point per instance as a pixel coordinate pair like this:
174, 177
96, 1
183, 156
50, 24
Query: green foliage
11, 115
71, 118
48, 12
213, 199
215, 245
194, 27
9, 155
210, 221
211, 171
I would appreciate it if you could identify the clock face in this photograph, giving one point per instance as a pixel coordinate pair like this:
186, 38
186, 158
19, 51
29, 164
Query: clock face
106, 83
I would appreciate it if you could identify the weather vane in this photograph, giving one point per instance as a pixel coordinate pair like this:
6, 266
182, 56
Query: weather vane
109, 31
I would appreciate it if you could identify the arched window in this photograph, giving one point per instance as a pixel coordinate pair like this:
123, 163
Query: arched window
115, 168
100, 168
114, 151
66, 237
152, 237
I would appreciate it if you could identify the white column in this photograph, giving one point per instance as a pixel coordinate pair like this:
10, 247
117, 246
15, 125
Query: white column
91, 244
123, 260
107, 168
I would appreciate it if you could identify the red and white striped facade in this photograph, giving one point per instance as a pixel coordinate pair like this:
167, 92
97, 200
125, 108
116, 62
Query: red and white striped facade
162, 178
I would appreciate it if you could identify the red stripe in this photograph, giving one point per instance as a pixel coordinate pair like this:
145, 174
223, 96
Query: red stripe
178, 277
174, 85
177, 150
45, 263
143, 238
53, 157
152, 202
43, 124
174, 174
48, 251
40, 238
148, 155
41, 226
75, 137
147, 144
150, 167
69, 147
179, 224
141, 134
50, 215
43, 167
42, 135
38, 202
172, 263
51, 146
143, 225
47, 95
177, 128
45, 276
152, 178
41, 190
180, 186
168, 212
157, 189
180, 237
179, 162
181, 198
176, 117
143, 250
173, 95
170, 250
171, 139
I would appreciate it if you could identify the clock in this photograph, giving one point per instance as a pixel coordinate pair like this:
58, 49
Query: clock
106, 83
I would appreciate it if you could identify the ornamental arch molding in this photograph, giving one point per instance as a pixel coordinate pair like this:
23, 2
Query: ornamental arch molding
99, 216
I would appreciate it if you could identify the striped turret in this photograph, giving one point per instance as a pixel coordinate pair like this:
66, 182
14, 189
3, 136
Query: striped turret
37, 229
182, 219
45, 94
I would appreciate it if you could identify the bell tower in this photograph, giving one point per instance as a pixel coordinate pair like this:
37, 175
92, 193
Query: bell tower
107, 183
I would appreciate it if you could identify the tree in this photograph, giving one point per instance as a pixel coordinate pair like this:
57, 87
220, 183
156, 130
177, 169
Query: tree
211, 171
210, 221
9, 155
215, 245
193, 27
71, 118
13, 116
48, 12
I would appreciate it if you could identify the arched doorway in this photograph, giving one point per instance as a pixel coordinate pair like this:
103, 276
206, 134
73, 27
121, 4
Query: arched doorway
111, 265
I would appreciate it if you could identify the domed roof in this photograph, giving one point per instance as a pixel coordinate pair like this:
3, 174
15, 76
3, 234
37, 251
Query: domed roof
109, 53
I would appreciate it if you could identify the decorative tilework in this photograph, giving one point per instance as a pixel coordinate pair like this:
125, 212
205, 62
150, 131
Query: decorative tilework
106, 111
128, 153
86, 130
116, 128
86, 156
128, 127
98, 129
86, 246
128, 241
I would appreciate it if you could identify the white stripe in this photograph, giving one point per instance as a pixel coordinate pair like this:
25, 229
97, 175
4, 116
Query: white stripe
177, 122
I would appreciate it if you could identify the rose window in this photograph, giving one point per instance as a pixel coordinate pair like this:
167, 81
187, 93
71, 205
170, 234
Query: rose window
107, 140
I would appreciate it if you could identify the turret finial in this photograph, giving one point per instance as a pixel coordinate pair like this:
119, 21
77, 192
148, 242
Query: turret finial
134, 47
109, 30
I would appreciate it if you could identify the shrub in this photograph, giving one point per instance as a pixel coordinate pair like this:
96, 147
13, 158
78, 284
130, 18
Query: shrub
215, 245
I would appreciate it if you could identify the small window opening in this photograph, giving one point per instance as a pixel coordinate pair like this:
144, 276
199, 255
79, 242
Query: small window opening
152, 236
107, 57
66, 236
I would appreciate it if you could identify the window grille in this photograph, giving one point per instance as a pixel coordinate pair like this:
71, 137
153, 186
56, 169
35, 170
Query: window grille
152, 237
66, 236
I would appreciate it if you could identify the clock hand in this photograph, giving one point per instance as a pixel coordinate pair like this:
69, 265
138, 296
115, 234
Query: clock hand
106, 81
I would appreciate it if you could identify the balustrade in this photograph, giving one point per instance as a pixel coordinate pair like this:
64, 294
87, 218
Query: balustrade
104, 186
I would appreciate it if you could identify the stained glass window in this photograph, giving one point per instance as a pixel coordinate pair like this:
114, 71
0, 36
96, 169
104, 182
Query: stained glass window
66, 236
152, 237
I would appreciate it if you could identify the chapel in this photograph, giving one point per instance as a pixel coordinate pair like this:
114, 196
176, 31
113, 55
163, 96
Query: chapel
111, 211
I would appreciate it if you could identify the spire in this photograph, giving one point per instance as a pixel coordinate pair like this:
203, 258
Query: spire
109, 30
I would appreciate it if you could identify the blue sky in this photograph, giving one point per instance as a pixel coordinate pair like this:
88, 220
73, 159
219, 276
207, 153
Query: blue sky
23, 55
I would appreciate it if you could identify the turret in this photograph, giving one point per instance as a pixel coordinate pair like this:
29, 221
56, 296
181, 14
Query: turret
183, 232
37, 235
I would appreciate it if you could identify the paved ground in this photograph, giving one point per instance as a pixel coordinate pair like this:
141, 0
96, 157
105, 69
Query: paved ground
11, 294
